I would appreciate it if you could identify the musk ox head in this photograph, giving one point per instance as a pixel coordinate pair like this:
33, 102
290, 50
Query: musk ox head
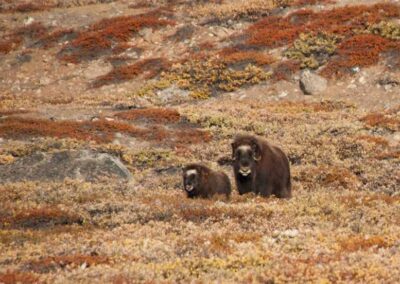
245, 154
193, 177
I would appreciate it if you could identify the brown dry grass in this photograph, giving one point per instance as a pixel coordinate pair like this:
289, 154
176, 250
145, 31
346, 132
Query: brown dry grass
12, 112
381, 120
51, 263
388, 155
342, 224
39, 218
359, 200
361, 243
377, 140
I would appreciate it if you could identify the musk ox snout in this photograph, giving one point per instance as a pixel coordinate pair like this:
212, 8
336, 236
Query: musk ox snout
245, 171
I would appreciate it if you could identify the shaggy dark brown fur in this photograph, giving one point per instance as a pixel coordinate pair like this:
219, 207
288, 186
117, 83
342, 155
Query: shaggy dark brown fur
260, 167
201, 181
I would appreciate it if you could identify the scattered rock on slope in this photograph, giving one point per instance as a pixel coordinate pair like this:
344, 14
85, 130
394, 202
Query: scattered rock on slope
311, 83
83, 165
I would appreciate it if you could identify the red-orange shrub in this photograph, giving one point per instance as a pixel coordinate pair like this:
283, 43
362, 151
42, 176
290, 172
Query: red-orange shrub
275, 31
108, 36
237, 56
148, 68
101, 131
49, 40
18, 277
27, 33
51, 263
158, 115
359, 50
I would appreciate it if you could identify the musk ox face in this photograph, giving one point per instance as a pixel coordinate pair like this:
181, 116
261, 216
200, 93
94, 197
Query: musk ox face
245, 158
191, 179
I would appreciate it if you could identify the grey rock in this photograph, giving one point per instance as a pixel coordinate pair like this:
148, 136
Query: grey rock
146, 34
172, 94
81, 165
97, 69
311, 83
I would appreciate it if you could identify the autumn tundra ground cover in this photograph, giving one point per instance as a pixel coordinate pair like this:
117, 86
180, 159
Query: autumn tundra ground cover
155, 85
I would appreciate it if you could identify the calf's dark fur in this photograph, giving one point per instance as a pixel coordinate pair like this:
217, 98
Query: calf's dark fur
201, 181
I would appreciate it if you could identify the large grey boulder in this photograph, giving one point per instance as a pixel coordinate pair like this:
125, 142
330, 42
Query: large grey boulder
82, 165
311, 83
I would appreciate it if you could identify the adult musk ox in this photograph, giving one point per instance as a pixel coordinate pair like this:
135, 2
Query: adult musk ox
201, 181
260, 167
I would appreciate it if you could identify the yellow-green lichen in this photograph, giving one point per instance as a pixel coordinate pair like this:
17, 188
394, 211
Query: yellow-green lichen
203, 78
312, 50
385, 29
6, 159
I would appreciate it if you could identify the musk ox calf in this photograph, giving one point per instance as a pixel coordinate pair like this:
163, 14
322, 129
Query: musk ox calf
201, 181
260, 167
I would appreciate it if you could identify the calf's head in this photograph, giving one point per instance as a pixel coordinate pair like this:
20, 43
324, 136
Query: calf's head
245, 156
191, 179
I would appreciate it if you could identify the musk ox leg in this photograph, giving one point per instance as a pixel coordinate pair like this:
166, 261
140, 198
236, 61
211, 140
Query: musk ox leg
264, 190
284, 193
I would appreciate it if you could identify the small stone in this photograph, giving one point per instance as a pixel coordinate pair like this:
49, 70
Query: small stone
275, 234
282, 94
387, 87
362, 80
290, 233
44, 81
396, 136
311, 83
29, 21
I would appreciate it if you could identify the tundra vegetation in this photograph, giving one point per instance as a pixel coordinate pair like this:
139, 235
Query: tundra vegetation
159, 87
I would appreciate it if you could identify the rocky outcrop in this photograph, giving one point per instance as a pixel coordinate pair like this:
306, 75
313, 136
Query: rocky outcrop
82, 165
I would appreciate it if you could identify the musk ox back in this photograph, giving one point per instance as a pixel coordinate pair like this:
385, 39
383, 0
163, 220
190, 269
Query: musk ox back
201, 181
260, 167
